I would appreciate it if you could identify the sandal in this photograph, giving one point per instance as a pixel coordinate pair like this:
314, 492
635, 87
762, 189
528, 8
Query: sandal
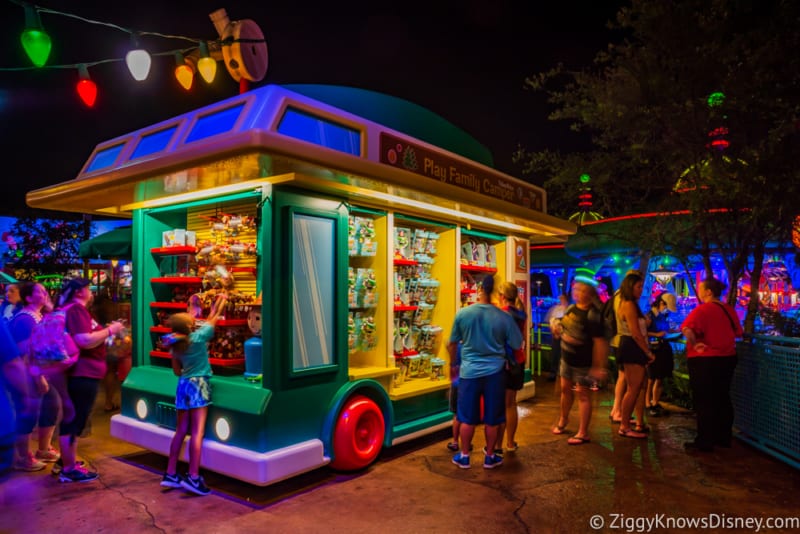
643, 429
452, 446
578, 440
559, 429
631, 434
513, 446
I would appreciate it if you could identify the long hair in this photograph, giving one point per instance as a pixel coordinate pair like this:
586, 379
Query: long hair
181, 324
626, 289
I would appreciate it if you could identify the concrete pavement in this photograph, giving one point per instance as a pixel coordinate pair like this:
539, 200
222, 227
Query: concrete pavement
545, 486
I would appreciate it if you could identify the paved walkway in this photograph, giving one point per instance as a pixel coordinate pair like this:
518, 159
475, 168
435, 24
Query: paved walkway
546, 486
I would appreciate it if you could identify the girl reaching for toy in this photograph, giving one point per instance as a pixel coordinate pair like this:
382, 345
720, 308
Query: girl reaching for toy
189, 348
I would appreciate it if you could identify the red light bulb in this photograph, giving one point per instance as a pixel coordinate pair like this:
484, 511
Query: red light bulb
86, 88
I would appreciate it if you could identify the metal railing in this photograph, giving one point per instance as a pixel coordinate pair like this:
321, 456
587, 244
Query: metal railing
766, 396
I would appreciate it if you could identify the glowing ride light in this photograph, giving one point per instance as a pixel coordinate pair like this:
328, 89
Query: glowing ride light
34, 39
138, 61
86, 88
206, 65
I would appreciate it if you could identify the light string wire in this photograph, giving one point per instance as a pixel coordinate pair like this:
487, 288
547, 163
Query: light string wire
218, 42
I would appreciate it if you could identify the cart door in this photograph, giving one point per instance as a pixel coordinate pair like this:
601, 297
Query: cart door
310, 266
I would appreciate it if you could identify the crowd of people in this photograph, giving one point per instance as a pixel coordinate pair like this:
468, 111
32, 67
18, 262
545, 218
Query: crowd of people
484, 340
53, 376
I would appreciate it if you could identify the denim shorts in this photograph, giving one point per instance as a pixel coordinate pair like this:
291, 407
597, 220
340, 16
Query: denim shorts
492, 389
193, 392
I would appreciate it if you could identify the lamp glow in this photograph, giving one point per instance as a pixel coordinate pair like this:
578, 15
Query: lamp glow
86, 88
206, 64
138, 61
34, 39
183, 72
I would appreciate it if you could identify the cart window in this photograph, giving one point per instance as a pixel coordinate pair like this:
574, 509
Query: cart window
154, 142
105, 158
214, 123
313, 295
319, 131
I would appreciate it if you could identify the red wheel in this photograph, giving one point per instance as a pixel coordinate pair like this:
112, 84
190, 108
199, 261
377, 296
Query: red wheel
358, 436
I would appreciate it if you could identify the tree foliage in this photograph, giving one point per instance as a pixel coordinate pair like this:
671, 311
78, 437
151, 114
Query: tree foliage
46, 246
644, 105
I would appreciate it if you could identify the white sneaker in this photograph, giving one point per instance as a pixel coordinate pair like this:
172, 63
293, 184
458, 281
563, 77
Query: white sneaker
28, 463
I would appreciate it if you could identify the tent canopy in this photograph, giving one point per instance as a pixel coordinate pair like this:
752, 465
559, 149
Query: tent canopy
113, 244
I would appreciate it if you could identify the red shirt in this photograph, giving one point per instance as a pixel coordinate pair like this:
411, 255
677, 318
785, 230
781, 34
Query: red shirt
91, 362
711, 324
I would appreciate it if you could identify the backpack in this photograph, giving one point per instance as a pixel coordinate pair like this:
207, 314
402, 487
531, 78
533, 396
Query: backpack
608, 316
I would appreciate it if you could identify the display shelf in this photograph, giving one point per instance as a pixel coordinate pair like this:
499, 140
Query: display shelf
220, 362
478, 268
468, 291
170, 305
416, 386
371, 371
160, 329
232, 322
405, 308
243, 270
173, 251
402, 261
195, 280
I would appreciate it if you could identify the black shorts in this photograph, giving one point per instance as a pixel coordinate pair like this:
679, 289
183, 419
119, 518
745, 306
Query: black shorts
630, 352
515, 381
664, 363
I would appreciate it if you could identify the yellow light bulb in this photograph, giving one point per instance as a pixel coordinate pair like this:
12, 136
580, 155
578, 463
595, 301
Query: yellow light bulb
208, 68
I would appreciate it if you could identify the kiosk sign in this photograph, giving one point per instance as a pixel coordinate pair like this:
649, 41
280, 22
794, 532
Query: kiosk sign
425, 162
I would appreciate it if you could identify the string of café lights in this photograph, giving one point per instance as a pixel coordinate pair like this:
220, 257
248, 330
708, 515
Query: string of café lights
37, 45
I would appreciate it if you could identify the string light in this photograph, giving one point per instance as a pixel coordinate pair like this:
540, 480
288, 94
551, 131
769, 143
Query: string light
138, 61
86, 88
34, 39
206, 65
235, 35
183, 72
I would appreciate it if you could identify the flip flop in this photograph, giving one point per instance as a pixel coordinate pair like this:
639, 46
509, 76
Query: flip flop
577, 440
631, 434
643, 429
558, 430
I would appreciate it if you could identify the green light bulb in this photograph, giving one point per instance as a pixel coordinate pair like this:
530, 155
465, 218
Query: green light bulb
37, 45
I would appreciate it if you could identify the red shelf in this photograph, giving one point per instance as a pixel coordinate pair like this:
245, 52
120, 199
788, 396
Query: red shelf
160, 329
177, 280
173, 250
232, 322
405, 262
468, 291
170, 305
226, 362
221, 362
479, 268
405, 308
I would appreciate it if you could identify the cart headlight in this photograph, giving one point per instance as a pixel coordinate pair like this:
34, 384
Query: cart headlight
141, 409
222, 428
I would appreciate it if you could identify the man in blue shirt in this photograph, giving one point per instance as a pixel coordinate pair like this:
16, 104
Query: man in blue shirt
484, 331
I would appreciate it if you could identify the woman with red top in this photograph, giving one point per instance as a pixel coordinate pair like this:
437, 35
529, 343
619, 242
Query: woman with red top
711, 330
85, 375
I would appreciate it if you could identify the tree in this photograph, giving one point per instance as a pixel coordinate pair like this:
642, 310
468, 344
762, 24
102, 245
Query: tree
46, 246
645, 105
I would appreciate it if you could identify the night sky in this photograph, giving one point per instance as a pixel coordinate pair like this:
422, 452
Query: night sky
464, 60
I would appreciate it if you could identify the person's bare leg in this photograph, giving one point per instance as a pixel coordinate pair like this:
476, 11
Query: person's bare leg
584, 411
619, 392
567, 398
181, 429
512, 420
197, 417
467, 432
